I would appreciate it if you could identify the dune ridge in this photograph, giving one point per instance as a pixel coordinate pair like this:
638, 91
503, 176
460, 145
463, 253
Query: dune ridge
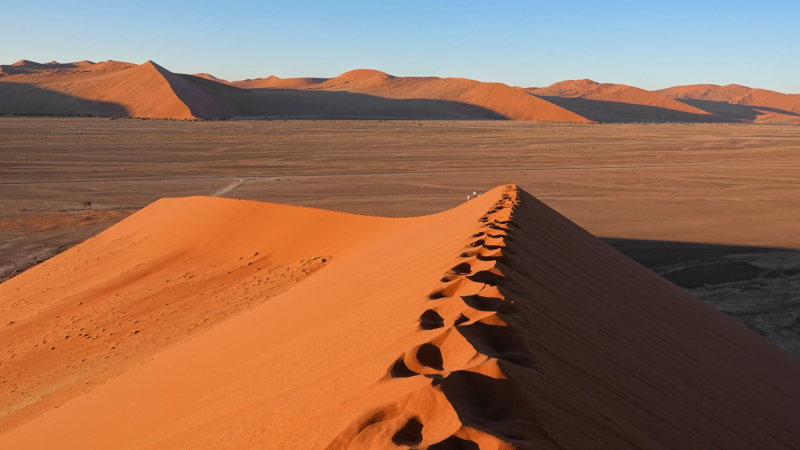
151, 91
609, 102
275, 82
111, 88
496, 325
498, 100
769, 106
613, 92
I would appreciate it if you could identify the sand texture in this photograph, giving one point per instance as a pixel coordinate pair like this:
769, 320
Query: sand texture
215, 323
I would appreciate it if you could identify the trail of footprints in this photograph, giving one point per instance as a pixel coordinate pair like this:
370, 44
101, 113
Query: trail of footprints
470, 403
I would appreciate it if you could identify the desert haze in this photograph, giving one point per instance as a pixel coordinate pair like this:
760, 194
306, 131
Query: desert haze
148, 90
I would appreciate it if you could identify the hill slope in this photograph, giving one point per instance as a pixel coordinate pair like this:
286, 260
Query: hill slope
149, 90
760, 105
275, 82
496, 325
113, 88
486, 100
607, 102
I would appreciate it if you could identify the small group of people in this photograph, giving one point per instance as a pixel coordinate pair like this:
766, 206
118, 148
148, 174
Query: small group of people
474, 194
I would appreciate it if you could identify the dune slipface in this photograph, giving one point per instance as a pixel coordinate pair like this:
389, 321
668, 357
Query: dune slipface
496, 325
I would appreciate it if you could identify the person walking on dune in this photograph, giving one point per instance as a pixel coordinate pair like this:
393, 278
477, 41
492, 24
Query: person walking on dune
467, 197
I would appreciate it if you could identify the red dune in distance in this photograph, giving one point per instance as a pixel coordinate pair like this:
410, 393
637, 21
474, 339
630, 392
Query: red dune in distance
275, 82
111, 88
613, 93
217, 323
769, 106
500, 99
151, 91
614, 102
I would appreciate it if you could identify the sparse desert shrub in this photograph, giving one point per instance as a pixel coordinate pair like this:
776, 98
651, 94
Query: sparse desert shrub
86, 205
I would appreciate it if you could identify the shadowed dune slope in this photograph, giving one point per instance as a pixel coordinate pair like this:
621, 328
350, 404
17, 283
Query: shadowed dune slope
149, 90
496, 325
500, 100
208, 76
109, 88
620, 103
769, 106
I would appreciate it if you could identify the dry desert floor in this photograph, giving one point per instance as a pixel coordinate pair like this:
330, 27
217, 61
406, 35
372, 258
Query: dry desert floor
711, 207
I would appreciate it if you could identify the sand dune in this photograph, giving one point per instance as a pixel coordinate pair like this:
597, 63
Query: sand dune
149, 90
497, 100
606, 102
113, 88
496, 325
275, 82
773, 106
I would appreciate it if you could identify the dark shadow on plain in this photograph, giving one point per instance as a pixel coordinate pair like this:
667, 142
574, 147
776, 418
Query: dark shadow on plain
27, 99
745, 112
618, 112
692, 265
653, 254
757, 286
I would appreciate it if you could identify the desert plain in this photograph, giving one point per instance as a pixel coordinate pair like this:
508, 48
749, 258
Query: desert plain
711, 207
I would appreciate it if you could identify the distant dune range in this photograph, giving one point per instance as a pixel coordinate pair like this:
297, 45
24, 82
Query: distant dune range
497, 325
741, 102
150, 91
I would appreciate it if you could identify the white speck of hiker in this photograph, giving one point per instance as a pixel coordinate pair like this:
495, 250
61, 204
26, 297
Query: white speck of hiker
467, 197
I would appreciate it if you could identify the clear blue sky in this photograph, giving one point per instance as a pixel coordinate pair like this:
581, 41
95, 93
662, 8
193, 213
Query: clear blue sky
650, 44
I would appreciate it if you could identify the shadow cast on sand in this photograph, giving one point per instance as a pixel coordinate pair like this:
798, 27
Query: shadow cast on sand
27, 99
341, 104
757, 286
653, 254
744, 112
605, 111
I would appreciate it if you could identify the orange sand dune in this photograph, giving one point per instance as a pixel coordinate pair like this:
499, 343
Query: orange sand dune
774, 102
495, 99
111, 87
150, 90
214, 323
275, 82
608, 102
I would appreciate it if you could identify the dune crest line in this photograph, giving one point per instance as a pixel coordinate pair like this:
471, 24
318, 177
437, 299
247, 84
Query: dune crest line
497, 325
469, 401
